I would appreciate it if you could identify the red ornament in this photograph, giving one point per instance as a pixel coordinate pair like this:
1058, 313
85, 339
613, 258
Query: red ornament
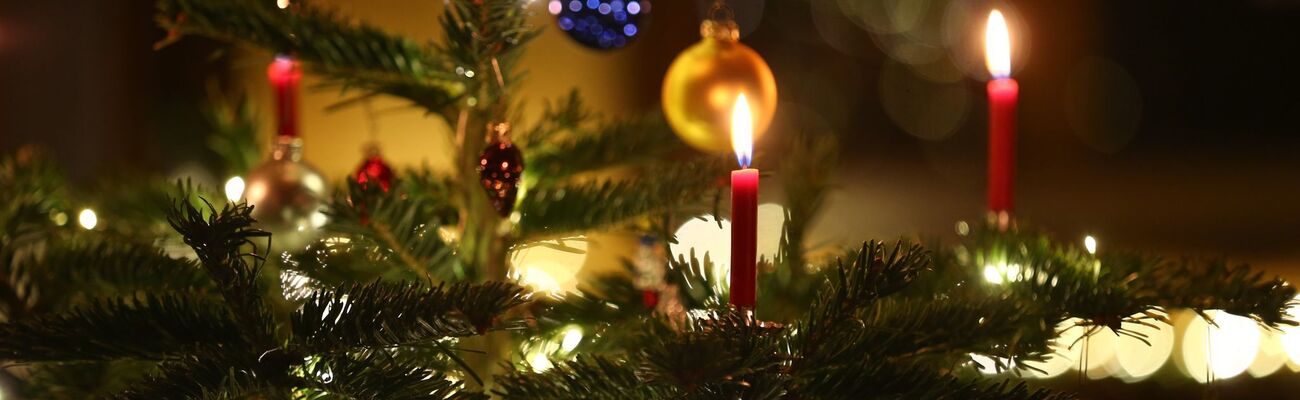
374, 170
499, 167
649, 299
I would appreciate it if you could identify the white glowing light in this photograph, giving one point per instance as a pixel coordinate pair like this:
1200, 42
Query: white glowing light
1271, 356
992, 274
1229, 348
540, 362
998, 274
705, 237
234, 188
1137, 360
282, 4
571, 338
742, 131
554, 7
1090, 244
997, 46
319, 219
549, 269
1291, 334
88, 219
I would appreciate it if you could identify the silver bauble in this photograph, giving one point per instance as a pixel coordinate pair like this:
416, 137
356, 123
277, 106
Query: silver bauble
287, 195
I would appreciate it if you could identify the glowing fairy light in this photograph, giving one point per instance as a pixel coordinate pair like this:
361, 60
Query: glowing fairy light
1229, 348
571, 338
234, 188
88, 219
1090, 244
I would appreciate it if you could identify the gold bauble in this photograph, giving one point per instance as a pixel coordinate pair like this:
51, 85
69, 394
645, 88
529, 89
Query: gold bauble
287, 196
702, 85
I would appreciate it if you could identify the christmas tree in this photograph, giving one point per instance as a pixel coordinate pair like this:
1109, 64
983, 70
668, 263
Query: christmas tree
406, 292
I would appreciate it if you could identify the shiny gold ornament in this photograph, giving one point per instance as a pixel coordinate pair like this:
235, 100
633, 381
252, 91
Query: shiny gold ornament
287, 196
702, 84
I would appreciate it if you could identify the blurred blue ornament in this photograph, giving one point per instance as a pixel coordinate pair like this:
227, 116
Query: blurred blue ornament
600, 24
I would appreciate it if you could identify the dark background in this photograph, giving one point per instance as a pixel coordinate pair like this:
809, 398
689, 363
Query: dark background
1169, 126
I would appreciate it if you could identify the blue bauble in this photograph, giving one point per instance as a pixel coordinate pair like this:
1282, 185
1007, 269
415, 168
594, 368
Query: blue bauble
601, 24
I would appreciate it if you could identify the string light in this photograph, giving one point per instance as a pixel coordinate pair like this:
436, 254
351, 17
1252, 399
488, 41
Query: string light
88, 219
234, 188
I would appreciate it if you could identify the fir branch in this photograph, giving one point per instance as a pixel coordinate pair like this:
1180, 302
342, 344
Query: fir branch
631, 142
391, 314
558, 210
1235, 289
149, 327
558, 118
375, 377
380, 234
717, 350
89, 266
587, 377
870, 379
699, 283
485, 39
349, 55
203, 379
219, 238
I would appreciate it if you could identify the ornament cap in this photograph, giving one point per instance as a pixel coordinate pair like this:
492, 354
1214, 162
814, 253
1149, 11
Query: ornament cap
720, 29
287, 148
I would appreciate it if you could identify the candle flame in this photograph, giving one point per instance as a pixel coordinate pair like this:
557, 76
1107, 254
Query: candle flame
997, 46
742, 131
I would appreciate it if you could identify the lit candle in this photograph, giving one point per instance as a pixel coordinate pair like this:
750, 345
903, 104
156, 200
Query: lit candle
1003, 92
744, 209
284, 75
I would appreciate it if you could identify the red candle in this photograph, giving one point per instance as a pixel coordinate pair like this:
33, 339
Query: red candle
744, 210
1003, 94
284, 75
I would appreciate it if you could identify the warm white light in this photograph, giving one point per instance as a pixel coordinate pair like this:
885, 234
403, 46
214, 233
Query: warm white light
234, 188
1229, 348
550, 268
283, 4
1137, 360
997, 46
540, 362
1090, 244
1271, 356
88, 219
992, 274
1291, 334
571, 338
742, 131
704, 235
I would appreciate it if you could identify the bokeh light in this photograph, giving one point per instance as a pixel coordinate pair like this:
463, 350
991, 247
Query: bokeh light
923, 108
550, 268
234, 188
1271, 356
1138, 360
704, 235
88, 219
1103, 104
1227, 349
